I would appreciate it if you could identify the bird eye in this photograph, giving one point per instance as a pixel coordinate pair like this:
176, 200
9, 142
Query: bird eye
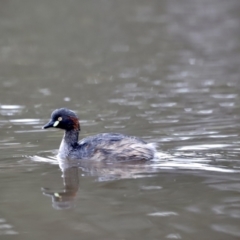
60, 119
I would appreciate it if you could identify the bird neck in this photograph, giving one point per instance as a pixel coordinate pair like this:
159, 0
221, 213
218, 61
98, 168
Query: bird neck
69, 141
71, 137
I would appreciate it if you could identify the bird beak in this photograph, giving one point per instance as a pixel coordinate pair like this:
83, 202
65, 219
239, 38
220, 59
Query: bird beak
48, 125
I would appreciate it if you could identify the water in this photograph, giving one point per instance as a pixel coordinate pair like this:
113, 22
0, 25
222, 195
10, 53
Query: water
166, 71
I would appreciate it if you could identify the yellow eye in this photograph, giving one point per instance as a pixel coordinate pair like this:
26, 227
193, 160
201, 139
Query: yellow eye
60, 119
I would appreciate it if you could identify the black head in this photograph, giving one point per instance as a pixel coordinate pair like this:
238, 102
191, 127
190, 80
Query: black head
63, 118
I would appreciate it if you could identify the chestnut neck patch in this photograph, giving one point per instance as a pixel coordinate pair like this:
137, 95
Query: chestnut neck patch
76, 125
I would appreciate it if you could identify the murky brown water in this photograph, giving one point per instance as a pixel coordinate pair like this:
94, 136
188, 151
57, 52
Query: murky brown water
167, 71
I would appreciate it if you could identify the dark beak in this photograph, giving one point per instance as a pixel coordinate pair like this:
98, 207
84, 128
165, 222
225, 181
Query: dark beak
48, 125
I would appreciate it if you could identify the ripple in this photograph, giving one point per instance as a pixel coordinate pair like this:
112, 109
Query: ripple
163, 121
16, 145
223, 136
117, 100
115, 127
67, 99
170, 104
27, 121
40, 130
117, 118
229, 104
191, 165
231, 210
45, 91
228, 229
225, 96
6, 229
10, 107
205, 111
151, 187
202, 147
227, 186
129, 73
174, 236
130, 103
162, 214
50, 159
88, 122
10, 110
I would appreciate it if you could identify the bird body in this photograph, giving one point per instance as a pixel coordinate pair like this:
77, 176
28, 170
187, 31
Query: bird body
103, 146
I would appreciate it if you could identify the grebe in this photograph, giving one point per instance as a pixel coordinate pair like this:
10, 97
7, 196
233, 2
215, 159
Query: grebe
103, 146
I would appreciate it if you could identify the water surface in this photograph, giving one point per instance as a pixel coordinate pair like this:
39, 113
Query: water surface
166, 71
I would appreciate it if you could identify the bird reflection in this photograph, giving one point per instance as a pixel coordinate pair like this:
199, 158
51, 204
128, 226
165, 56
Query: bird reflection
102, 170
64, 199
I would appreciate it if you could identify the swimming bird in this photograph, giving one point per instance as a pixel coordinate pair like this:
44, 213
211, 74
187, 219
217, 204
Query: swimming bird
100, 147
